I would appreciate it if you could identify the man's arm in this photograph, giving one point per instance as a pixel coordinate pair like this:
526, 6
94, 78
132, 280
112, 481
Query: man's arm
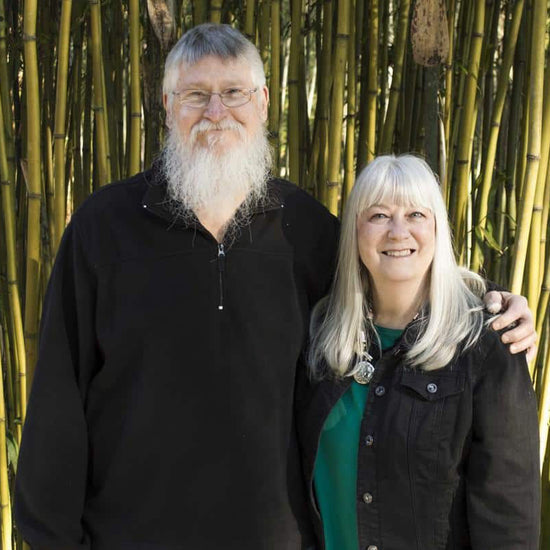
515, 312
53, 460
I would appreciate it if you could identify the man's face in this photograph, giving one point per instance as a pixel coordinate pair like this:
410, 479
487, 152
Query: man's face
218, 125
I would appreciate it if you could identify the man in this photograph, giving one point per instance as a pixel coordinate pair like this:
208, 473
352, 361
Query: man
161, 411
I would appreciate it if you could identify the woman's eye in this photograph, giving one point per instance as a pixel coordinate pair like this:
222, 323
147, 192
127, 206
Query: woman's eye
417, 215
378, 216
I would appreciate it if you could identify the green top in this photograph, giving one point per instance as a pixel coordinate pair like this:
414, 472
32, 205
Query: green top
335, 474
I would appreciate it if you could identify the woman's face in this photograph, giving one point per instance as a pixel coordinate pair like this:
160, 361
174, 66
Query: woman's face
396, 243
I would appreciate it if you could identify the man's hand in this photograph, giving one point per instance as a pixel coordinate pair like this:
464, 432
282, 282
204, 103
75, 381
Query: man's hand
514, 311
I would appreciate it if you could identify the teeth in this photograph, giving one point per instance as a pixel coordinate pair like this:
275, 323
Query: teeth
407, 252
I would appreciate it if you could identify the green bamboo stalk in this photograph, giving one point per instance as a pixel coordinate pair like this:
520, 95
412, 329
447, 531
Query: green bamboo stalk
537, 229
34, 188
216, 11
349, 163
275, 81
59, 135
467, 123
498, 108
337, 106
533, 156
249, 20
200, 11
362, 46
293, 92
544, 408
87, 133
5, 503
135, 89
448, 105
372, 91
5, 93
545, 216
395, 90
383, 64
99, 107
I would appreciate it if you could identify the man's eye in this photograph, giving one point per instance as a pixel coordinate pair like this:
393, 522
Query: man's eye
196, 94
231, 92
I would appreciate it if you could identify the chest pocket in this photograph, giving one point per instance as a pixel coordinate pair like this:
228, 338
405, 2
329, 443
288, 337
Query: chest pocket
434, 399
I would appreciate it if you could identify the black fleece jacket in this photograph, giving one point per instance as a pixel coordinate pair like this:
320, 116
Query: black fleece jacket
160, 416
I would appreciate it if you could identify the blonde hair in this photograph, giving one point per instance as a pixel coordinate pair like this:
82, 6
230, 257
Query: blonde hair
455, 316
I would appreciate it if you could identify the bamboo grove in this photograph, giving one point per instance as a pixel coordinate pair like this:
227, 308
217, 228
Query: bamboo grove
464, 83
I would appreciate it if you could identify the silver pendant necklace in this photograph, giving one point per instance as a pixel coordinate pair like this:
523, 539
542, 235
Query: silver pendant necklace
364, 368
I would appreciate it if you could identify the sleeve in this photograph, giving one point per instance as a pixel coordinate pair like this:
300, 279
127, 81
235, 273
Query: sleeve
503, 477
53, 461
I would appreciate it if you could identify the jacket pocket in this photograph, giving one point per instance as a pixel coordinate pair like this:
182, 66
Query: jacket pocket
435, 399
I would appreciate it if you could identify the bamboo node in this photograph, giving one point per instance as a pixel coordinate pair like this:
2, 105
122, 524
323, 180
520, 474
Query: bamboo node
29, 37
135, 115
215, 8
292, 81
537, 208
342, 36
98, 108
533, 157
11, 282
59, 136
545, 288
477, 35
462, 161
34, 196
495, 125
4, 182
332, 184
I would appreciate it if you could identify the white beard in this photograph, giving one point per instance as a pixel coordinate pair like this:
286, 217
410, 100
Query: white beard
203, 179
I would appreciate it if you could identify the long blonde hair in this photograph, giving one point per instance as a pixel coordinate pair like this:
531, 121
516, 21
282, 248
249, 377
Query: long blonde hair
455, 309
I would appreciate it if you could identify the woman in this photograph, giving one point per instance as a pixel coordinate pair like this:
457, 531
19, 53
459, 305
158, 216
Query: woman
418, 427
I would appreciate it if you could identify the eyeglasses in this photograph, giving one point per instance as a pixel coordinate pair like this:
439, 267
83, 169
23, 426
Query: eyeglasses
199, 99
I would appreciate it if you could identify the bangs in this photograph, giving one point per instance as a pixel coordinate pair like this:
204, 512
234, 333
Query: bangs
391, 183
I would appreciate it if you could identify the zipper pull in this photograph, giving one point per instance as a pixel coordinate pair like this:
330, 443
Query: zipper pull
221, 268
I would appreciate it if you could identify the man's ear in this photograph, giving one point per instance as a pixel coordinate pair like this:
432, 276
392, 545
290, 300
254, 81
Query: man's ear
168, 110
264, 102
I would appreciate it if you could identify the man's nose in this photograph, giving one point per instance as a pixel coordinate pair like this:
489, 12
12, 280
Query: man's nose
215, 110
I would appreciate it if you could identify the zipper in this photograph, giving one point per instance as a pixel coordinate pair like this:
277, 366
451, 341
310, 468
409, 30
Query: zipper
221, 269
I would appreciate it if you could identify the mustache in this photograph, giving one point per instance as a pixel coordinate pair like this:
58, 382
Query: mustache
206, 125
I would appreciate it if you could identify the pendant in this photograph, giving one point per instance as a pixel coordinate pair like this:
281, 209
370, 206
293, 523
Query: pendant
364, 373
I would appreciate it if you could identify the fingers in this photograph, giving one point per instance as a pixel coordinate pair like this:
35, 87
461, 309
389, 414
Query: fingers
531, 353
516, 310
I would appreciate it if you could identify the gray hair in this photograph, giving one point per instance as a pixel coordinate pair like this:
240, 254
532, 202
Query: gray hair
455, 315
211, 39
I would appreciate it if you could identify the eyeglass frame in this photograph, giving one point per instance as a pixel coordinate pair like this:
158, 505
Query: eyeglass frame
220, 94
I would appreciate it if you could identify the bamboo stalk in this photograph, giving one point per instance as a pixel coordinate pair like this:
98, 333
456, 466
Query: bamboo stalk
99, 107
349, 163
372, 91
60, 123
395, 90
5, 504
275, 81
533, 155
135, 90
216, 11
5, 93
249, 20
34, 188
337, 106
498, 108
293, 92
467, 123
448, 105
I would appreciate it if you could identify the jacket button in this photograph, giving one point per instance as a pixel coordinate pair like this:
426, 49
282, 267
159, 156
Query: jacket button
369, 440
367, 498
372, 547
431, 387
380, 391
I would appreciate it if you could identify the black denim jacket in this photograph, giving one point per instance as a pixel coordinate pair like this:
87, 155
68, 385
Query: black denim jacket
448, 459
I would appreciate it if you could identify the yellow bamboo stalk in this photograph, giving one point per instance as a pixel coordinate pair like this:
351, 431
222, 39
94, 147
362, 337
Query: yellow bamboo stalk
372, 97
467, 123
33, 188
216, 11
448, 105
135, 90
533, 155
545, 215
60, 123
395, 90
249, 20
498, 108
337, 106
102, 138
538, 230
349, 163
294, 92
5, 93
5, 504
275, 81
